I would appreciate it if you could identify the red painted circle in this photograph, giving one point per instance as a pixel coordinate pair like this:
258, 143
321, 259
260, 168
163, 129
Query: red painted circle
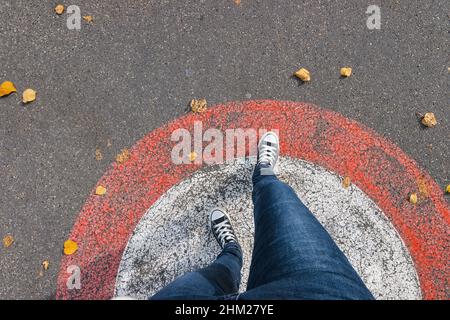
375, 165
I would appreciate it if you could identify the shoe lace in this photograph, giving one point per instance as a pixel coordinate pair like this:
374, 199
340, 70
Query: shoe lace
267, 154
224, 232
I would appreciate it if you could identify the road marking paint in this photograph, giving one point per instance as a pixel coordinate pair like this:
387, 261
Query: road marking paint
379, 168
173, 236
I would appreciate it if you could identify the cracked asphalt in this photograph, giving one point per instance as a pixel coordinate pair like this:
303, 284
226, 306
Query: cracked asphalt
137, 66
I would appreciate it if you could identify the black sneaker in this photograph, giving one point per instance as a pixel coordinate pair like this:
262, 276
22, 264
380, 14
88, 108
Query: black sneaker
220, 225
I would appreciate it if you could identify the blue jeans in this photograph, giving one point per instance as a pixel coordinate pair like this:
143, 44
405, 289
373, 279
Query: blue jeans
294, 257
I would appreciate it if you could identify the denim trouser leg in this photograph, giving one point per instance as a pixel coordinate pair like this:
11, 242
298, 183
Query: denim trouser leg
294, 257
220, 278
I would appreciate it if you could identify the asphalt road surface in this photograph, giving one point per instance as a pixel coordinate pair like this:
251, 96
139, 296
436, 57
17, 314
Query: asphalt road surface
139, 63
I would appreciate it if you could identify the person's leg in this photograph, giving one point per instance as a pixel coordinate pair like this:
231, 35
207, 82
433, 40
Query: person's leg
220, 278
294, 257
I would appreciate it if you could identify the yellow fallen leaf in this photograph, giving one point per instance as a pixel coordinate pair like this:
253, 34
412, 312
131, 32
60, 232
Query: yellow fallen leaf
45, 264
88, 19
29, 95
237, 2
7, 88
413, 198
346, 72
59, 9
123, 156
447, 189
192, 156
303, 75
8, 241
198, 106
98, 154
100, 190
346, 182
70, 247
423, 187
429, 119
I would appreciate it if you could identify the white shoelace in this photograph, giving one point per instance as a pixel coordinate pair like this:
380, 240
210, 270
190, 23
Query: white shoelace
267, 154
224, 233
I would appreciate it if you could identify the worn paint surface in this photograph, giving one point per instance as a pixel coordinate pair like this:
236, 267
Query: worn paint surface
173, 237
379, 168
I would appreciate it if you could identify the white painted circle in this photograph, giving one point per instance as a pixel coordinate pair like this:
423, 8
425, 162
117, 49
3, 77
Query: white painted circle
173, 238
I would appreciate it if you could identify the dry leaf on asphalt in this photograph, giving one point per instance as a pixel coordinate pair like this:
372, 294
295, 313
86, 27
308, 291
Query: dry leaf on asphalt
237, 2
70, 247
303, 75
123, 156
88, 19
8, 241
59, 9
447, 189
100, 190
7, 88
346, 182
98, 154
198, 106
429, 120
192, 156
413, 198
45, 264
29, 95
346, 72
423, 187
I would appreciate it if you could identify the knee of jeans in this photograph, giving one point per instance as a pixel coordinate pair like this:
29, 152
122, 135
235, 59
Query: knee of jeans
221, 276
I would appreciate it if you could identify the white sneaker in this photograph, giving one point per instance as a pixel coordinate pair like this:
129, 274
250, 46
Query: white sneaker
220, 225
268, 150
